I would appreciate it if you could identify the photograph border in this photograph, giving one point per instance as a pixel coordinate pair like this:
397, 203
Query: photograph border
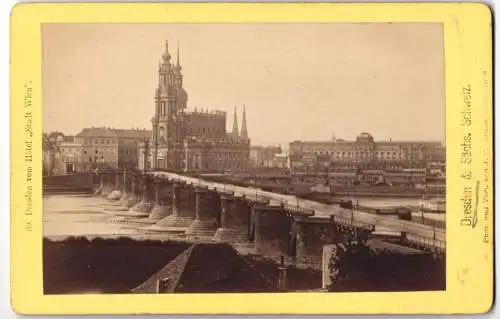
468, 95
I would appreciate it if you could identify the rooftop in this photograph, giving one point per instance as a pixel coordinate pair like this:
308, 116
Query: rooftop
380, 245
114, 133
207, 267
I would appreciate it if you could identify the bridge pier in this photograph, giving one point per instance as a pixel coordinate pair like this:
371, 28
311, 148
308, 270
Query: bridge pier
272, 230
99, 188
110, 183
131, 187
161, 207
205, 224
181, 214
124, 188
144, 207
130, 197
115, 193
309, 235
234, 220
105, 184
121, 202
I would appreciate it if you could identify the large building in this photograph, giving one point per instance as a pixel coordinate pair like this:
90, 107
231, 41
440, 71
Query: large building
92, 148
61, 153
365, 153
263, 156
190, 140
102, 147
50, 151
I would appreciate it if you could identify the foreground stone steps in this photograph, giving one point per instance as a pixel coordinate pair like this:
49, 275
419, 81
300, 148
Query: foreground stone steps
247, 248
143, 206
202, 228
130, 201
231, 235
123, 220
160, 211
175, 221
150, 220
115, 195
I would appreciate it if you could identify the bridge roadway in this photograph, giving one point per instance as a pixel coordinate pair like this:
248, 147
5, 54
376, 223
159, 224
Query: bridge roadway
415, 231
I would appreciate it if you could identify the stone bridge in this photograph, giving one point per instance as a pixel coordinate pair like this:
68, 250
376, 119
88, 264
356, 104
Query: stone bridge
268, 224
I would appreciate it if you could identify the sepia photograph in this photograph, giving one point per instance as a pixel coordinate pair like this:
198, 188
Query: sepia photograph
243, 158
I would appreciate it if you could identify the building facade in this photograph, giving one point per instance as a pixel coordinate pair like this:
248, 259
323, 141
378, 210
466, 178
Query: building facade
365, 153
102, 147
190, 140
128, 146
93, 148
60, 153
263, 156
71, 156
50, 151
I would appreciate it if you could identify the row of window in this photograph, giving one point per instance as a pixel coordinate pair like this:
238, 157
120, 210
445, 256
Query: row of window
381, 154
225, 164
163, 108
204, 131
126, 151
378, 155
103, 141
163, 79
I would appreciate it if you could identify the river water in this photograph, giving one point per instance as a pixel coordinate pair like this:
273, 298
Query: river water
79, 215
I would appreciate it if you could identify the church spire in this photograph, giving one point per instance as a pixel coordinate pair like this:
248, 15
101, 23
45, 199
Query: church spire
178, 62
244, 133
235, 123
166, 54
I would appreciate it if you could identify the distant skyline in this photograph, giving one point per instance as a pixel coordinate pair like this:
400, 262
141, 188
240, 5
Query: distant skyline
297, 81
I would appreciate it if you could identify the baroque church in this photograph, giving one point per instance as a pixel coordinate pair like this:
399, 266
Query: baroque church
185, 140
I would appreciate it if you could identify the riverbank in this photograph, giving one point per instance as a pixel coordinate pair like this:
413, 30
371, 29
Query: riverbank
78, 183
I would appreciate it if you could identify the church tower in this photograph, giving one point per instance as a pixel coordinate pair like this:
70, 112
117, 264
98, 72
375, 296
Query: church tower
235, 124
244, 132
170, 101
180, 93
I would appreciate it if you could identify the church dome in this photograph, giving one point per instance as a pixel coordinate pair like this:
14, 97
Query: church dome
365, 137
166, 56
182, 94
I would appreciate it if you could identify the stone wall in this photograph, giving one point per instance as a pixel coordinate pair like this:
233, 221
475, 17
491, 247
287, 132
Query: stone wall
272, 231
309, 238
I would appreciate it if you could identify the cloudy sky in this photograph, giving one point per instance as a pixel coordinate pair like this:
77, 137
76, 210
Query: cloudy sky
298, 81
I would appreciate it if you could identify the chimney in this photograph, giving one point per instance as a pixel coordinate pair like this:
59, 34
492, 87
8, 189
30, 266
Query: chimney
282, 275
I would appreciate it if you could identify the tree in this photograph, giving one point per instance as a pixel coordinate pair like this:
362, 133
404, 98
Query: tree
355, 266
349, 262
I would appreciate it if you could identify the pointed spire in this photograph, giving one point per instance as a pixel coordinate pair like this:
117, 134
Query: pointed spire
235, 123
178, 63
166, 54
244, 133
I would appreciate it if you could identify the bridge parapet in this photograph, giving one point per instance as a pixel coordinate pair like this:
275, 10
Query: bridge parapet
255, 200
350, 223
297, 210
428, 244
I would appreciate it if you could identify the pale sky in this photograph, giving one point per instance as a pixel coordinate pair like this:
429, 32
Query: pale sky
298, 81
